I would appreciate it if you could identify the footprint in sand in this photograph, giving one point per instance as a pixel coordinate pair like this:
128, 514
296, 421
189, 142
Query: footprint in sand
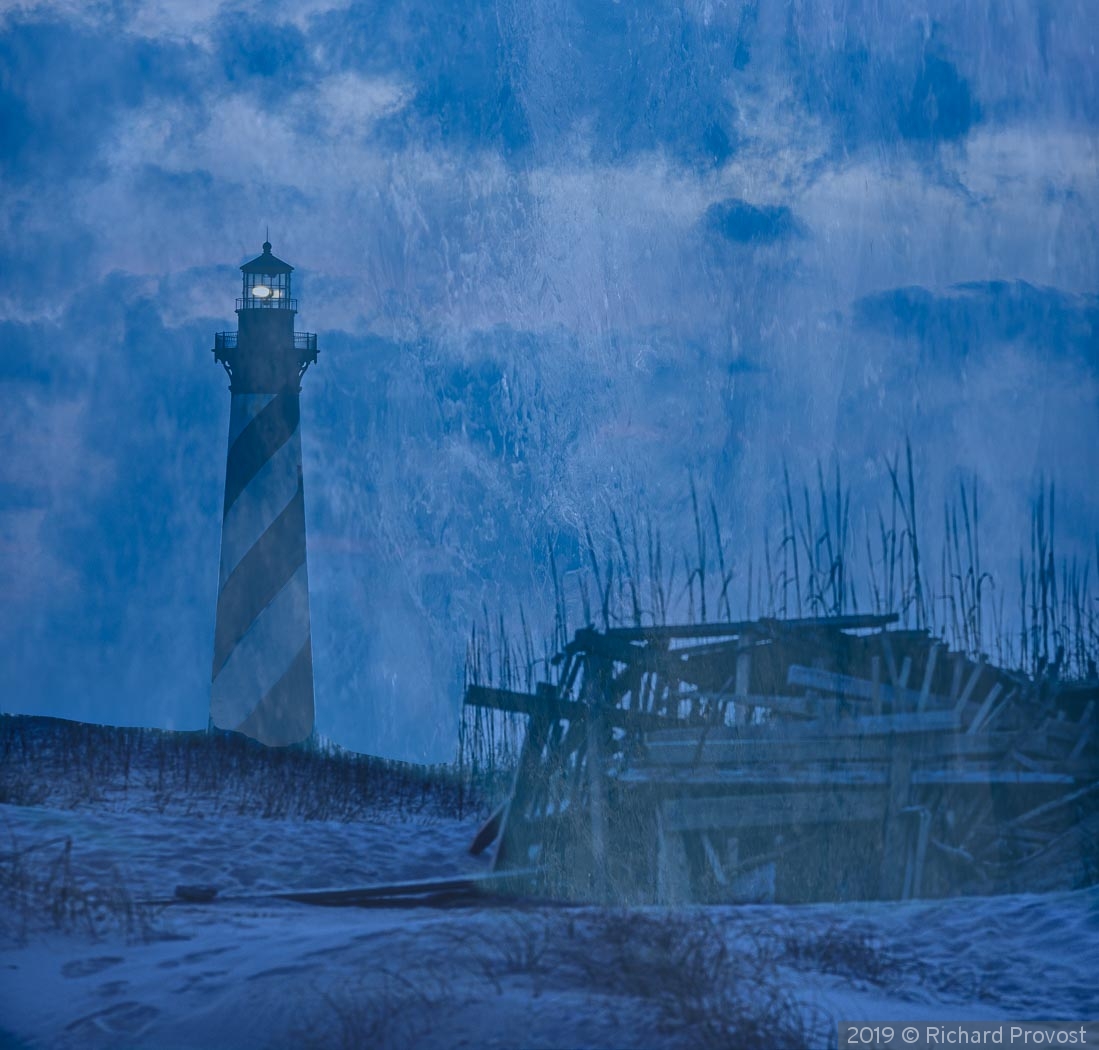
126, 1019
206, 953
87, 967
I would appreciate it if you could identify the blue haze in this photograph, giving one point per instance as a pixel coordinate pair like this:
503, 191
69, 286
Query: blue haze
561, 258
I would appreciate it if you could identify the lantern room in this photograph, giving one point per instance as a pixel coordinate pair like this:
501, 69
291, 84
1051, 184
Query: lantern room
266, 283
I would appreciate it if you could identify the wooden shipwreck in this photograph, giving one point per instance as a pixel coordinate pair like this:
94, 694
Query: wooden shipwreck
804, 760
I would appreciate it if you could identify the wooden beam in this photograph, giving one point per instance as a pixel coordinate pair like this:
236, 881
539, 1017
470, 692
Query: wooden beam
891, 870
598, 808
722, 630
988, 776
928, 676
849, 687
906, 671
785, 749
549, 706
761, 811
511, 839
875, 684
967, 692
985, 708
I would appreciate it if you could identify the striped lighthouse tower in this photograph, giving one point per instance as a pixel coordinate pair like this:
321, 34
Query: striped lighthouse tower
263, 659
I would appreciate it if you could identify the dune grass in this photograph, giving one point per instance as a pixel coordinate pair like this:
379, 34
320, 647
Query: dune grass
824, 559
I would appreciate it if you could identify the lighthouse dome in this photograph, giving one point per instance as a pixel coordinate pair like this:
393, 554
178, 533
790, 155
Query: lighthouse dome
266, 263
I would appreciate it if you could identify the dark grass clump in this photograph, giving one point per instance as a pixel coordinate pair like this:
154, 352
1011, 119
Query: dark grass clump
40, 890
854, 952
646, 979
71, 765
701, 987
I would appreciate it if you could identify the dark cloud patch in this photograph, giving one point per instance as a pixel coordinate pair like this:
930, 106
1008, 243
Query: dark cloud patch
941, 106
744, 223
62, 86
904, 89
254, 47
635, 79
973, 315
31, 354
42, 257
201, 195
461, 62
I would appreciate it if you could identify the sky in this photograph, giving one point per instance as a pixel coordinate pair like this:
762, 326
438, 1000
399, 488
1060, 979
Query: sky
563, 259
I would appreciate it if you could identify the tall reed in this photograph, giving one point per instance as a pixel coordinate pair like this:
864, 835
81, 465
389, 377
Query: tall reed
629, 575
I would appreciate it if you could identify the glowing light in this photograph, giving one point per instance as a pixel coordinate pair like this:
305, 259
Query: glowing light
261, 291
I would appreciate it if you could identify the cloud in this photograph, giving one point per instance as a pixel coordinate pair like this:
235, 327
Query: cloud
980, 316
744, 223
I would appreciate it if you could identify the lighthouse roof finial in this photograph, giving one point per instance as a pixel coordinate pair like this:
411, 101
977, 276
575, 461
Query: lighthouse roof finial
267, 263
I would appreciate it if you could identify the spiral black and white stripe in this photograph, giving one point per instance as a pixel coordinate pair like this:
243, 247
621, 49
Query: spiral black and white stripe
263, 663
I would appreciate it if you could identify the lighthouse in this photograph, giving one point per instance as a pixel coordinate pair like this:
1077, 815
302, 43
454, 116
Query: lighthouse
262, 683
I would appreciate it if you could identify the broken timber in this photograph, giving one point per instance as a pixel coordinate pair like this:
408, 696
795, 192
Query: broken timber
821, 759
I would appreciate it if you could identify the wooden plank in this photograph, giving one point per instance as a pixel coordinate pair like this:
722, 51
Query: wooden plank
397, 894
875, 684
890, 660
559, 707
913, 876
797, 706
928, 677
1081, 743
956, 680
870, 725
668, 781
781, 748
743, 683
985, 708
1004, 705
932, 722
486, 836
673, 879
906, 671
891, 869
1065, 732
988, 776
714, 860
511, 842
771, 810
967, 692
1052, 806
721, 630
849, 687
596, 776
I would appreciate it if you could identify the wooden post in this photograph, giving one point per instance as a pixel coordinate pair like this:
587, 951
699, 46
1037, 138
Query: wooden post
512, 845
891, 873
743, 684
673, 881
917, 852
875, 677
597, 791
